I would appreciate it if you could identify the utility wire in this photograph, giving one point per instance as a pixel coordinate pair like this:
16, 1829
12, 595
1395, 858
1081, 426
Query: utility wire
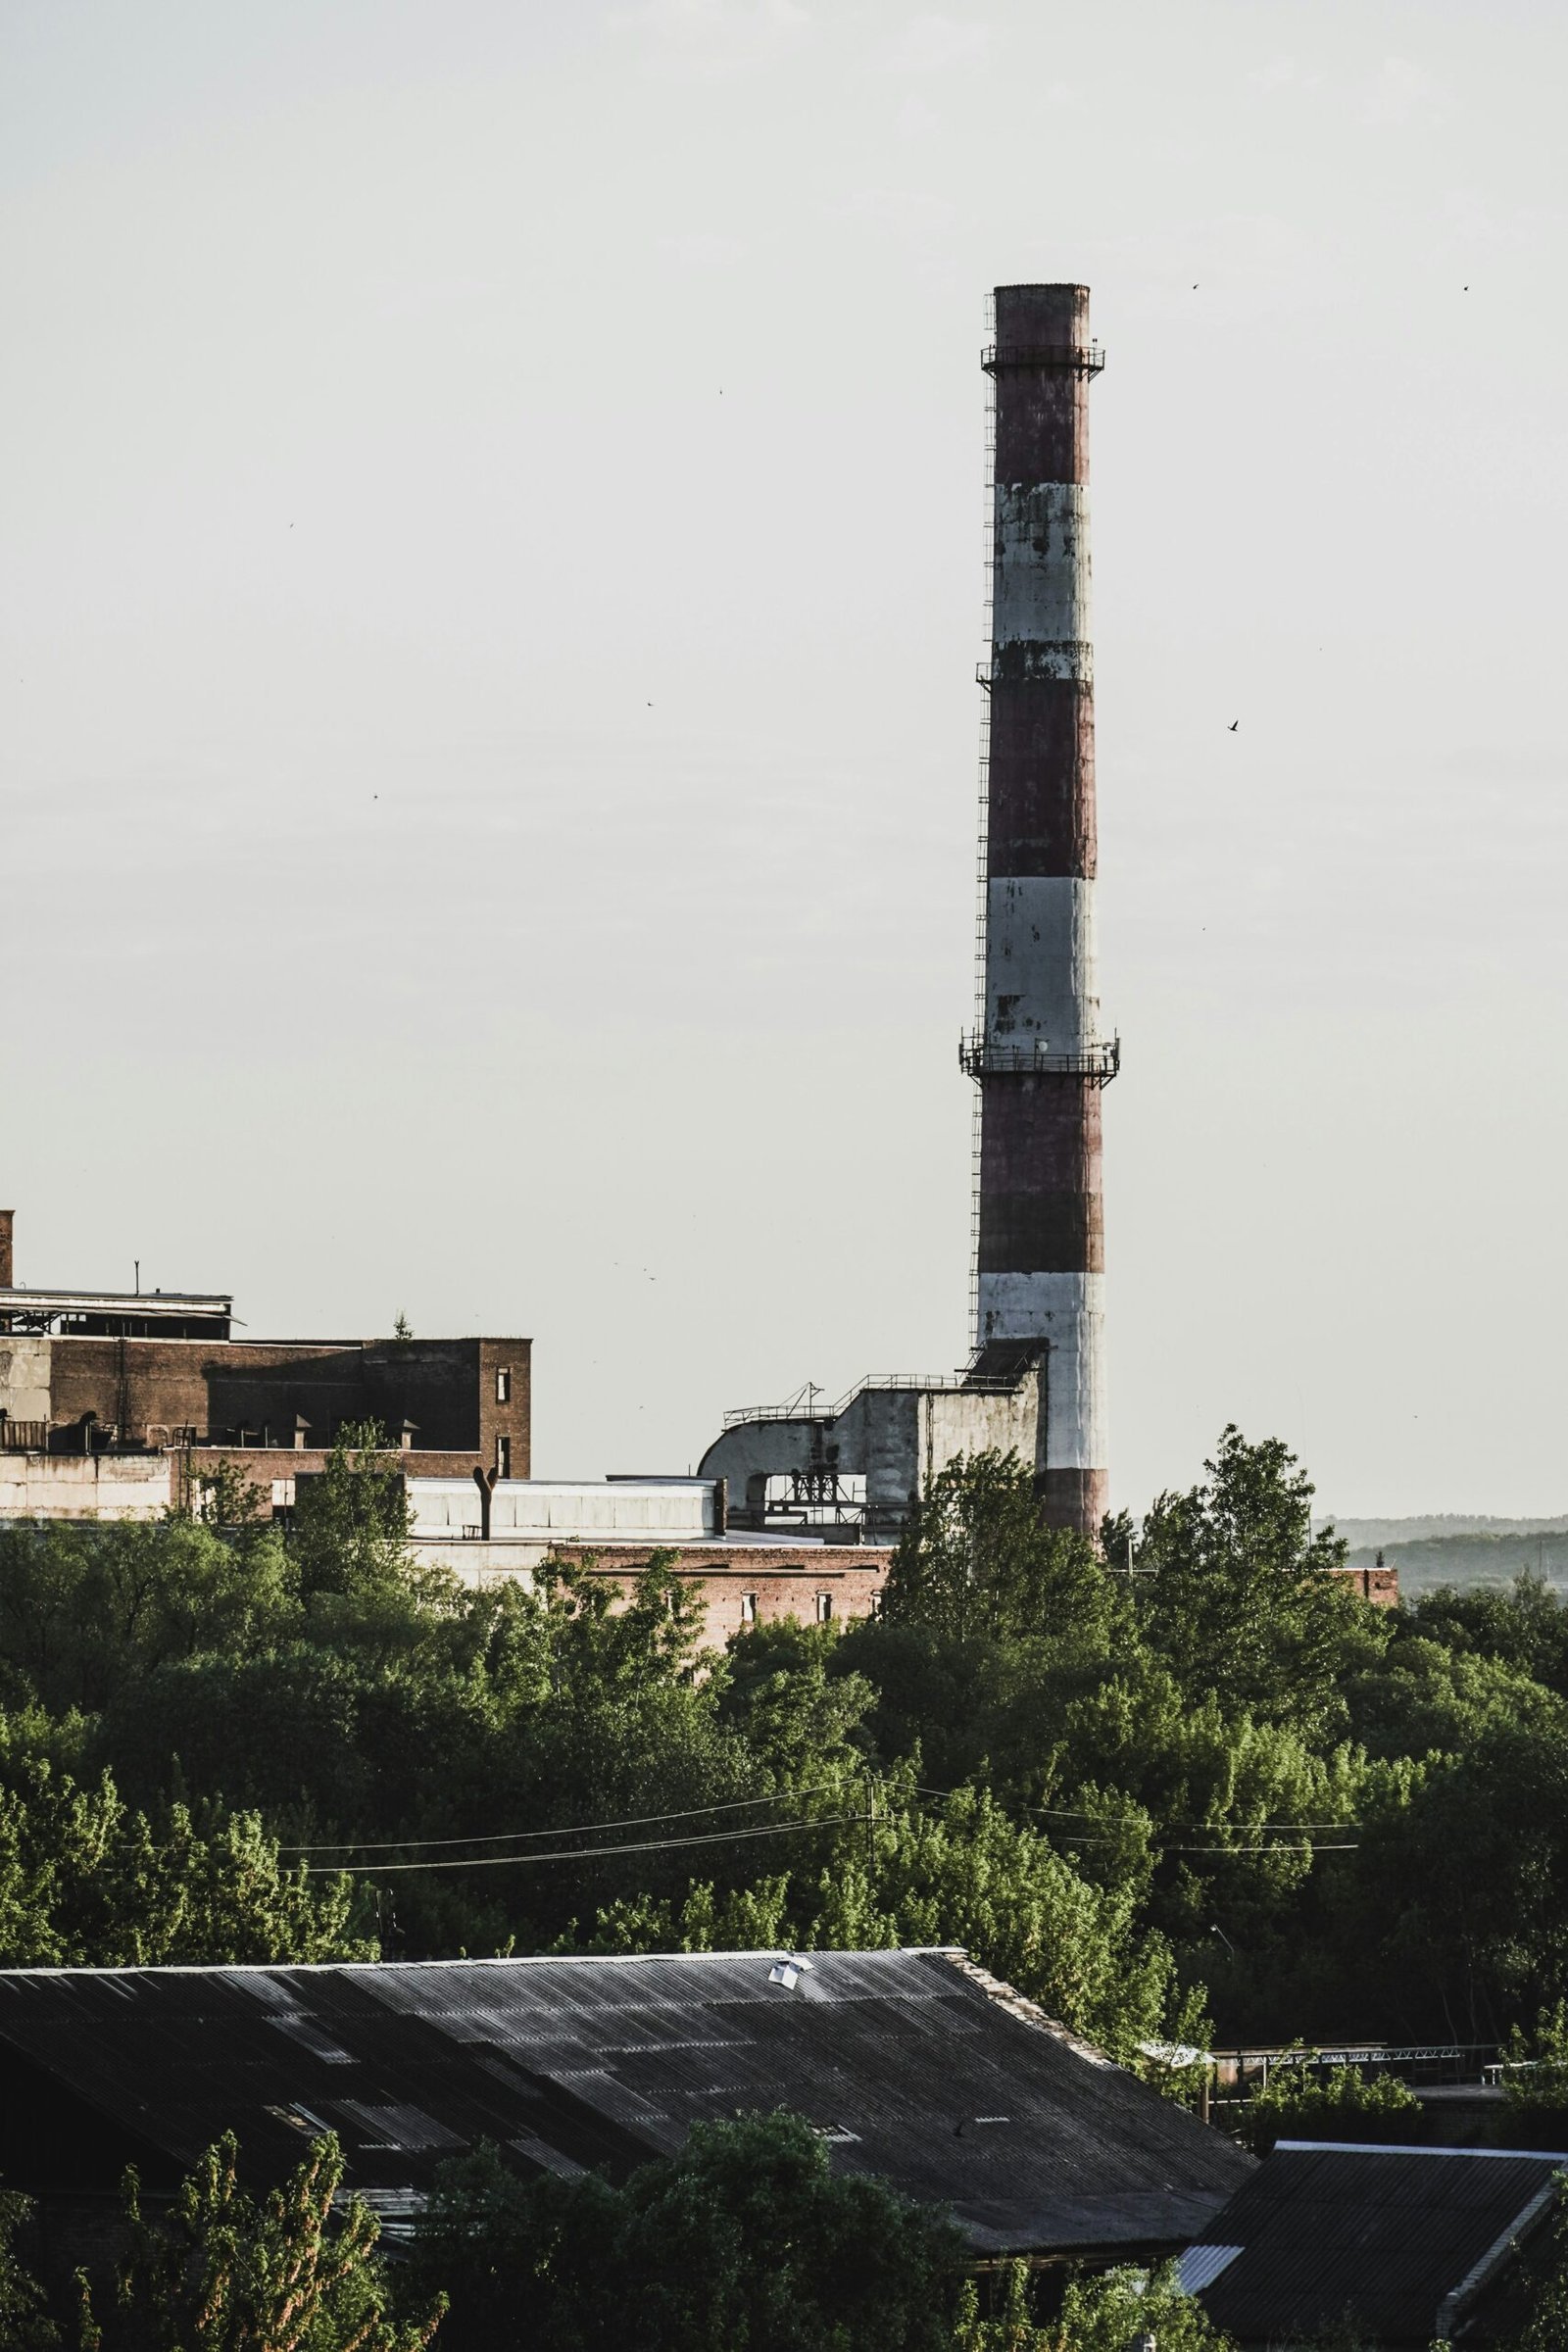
651, 1845
585, 1854
1310, 1848
1072, 1837
1081, 1813
578, 1829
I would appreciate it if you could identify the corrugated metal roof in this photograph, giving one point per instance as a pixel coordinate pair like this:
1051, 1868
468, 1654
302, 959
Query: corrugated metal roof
907, 2062
1381, 2235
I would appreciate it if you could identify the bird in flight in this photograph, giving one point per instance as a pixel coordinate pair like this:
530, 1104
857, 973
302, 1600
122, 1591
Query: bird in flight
1235, 723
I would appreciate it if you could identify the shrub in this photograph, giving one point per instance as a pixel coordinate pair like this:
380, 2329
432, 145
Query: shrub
1343, 2104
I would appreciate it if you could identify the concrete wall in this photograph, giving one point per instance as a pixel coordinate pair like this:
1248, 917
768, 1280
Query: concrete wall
101, 1487
25, 1392
557, 1510
894, 1437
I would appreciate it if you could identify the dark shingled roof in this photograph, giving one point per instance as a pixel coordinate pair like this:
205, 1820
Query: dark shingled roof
1400, 2240
913, 2064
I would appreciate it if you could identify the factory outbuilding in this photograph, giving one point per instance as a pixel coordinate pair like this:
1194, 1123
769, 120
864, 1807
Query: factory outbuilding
912, 2065
1395, 2247
852, 1470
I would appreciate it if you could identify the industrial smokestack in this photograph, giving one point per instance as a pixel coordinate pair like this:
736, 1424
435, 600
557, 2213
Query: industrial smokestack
1038, 1055
8, 1264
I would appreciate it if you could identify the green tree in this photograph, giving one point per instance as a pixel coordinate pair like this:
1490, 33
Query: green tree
972, 1877
1534, 2082
86, 1611
1544, 2326
86, 1882
1236, 1592
976, 1558
1009, 2324
803, 1721
223, 2271
1524, 1625
745, 2241
24, 2323
350, 1546
1342, 2104
1109, 2313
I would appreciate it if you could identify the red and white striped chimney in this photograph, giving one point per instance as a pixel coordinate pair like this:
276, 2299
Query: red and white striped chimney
1038, 1054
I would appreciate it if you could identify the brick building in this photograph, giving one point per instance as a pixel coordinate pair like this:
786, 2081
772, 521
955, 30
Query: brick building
612, 1527
95, 1373
118, 1405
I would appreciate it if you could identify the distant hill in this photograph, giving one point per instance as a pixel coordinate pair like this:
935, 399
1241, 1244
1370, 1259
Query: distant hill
1449, 1550
1441, 1526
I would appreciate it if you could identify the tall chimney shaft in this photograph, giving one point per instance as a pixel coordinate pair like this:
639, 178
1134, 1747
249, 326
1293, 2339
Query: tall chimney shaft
7, 1262
1039, 1056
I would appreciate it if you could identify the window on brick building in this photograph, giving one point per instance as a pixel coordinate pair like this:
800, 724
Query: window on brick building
503, 1457
748, 1608
504, 1385
824, 1607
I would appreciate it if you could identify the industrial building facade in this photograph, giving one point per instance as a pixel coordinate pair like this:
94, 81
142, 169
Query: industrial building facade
122, 1408
90, 1373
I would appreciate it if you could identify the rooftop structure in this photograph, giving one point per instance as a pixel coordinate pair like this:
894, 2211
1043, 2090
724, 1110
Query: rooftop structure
913, 2065
854, 1467
1403, 2245
118, 1314
611, 1529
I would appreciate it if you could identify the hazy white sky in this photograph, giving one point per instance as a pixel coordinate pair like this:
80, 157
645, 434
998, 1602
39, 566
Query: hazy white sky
494, 503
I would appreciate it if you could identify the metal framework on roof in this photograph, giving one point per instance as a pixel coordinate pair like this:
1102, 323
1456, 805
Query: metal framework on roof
116, 1315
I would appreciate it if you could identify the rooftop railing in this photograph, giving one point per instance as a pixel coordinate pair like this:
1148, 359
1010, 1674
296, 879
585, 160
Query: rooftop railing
803, 1406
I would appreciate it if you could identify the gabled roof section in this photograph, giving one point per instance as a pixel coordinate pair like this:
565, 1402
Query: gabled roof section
910, 2064
1397, 2240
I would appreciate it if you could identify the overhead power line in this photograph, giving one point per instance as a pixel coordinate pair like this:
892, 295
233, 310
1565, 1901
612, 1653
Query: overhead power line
1287, 1831
584, 1853
577, 1829
1082, 1813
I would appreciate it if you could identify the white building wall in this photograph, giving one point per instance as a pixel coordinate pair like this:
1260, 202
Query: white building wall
24, 1367
67, 1486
